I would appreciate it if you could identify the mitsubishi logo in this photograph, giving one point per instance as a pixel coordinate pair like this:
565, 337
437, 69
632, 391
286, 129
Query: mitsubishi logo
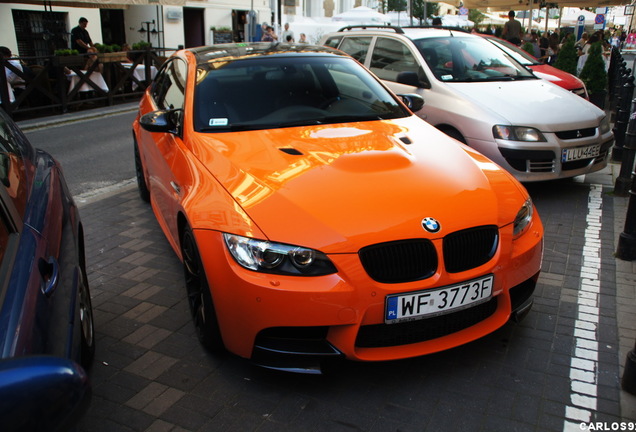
578, 133
431, 225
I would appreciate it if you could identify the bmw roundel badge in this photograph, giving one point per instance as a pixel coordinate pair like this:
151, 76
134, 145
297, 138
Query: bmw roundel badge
431, 225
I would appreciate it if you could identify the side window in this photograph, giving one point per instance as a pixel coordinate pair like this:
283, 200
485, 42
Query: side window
391, 57
12, 169
356, 47
169, 88
333, 41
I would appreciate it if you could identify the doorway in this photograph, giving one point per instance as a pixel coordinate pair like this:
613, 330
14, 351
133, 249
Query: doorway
113, 30
239, 25
193, 25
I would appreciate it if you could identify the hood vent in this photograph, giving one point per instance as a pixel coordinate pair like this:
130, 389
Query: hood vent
406, 140
291, 151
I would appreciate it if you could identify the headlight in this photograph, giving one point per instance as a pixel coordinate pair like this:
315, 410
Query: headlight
517, 133
278, 258
523, 219
605, 125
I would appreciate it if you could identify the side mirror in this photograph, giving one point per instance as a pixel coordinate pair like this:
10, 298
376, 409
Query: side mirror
166, 121
42, 393
413, 101
409, 78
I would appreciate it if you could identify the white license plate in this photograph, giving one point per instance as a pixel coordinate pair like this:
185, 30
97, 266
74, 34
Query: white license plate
572, 154
430, 302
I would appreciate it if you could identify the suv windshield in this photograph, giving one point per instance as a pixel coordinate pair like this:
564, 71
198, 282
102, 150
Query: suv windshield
463, 59
515, 52
287, 90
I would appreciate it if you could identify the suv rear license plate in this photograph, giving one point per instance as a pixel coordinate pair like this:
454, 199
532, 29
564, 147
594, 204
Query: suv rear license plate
430, 302
572, 154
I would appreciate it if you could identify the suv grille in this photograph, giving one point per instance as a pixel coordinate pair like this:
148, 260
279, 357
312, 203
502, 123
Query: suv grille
470, 248
416, 259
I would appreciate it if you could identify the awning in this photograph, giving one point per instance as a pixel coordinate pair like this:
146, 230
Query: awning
524, 5
102, 4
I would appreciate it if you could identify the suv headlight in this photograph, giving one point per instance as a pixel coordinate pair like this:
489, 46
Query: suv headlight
517, 133
605, 125
268, 257
523, 219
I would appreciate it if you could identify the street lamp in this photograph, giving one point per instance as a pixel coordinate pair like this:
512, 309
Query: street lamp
147, 30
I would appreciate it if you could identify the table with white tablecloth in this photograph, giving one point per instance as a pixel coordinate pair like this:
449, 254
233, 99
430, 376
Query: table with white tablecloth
96, 77
10, 91
140, 72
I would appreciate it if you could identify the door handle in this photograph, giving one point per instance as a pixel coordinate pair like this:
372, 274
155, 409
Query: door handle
50, 272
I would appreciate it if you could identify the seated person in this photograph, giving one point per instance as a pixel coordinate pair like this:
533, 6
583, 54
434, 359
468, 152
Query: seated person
12, 78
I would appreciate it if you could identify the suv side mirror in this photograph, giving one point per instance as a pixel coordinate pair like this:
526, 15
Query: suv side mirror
413, 101
413, 79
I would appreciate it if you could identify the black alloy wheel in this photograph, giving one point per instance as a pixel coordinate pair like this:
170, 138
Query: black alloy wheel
144, 192
199, 296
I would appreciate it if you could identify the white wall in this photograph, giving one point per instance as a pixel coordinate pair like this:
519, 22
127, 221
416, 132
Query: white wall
7, 30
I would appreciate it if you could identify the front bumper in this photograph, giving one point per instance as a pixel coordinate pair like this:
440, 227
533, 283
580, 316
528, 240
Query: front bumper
530, 162
293, 323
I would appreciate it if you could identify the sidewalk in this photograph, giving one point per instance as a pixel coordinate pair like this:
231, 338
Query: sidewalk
625, 300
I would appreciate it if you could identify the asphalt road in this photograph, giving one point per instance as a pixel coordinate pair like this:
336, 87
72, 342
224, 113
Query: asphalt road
96, 154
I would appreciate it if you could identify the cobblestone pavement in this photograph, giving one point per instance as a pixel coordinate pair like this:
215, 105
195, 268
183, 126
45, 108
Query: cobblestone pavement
549, 373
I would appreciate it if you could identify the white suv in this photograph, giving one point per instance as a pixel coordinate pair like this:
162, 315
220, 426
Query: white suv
479, 95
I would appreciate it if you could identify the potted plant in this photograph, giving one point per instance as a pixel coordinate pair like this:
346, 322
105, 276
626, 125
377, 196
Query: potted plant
567, 59
594, 75
110, 53
68, 57
137, 49
528, 47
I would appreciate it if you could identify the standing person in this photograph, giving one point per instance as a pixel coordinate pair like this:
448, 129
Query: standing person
80, 39
286, 33
512, 29
269, 35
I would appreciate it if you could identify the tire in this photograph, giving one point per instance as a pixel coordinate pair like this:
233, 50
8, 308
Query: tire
87, 324
199, 296
144, 192
454, 133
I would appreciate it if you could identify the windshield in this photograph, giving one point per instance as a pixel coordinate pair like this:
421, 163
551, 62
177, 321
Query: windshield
285, 91
515, 52
464, 59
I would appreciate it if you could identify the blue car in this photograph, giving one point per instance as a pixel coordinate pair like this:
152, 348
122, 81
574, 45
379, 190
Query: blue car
47, 339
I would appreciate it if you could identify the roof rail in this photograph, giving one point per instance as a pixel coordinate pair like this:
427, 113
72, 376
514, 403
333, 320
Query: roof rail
366, 26
455, 28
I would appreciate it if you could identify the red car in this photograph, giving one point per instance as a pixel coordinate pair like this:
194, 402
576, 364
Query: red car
547, 72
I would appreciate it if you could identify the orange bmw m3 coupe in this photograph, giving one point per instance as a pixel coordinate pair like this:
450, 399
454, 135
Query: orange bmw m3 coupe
317, 218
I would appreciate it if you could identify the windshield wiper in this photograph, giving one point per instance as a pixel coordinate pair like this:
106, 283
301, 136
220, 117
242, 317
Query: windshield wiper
332, 119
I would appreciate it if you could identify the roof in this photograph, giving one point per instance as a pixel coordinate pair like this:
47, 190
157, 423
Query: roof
236, 51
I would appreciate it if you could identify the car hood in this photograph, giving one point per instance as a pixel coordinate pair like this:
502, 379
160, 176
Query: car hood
557, 76
545, 106
340, 187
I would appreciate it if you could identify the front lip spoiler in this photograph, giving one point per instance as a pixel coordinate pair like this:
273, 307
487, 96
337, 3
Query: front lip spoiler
297, 356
